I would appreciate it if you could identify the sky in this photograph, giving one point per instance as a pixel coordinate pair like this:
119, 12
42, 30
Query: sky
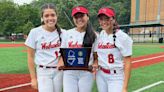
20, 2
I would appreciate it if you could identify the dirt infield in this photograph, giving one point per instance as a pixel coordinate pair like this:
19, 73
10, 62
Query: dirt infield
7, 80
22, 89
147, 60
11, 45
162, 47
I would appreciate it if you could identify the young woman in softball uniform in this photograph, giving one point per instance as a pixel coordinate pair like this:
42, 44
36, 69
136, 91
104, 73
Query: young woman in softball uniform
80, 36
43, 45
114, 50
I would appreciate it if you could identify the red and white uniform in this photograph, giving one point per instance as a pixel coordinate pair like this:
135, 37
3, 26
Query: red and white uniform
74, 39
110, 56
76, 80
46, 45
110, 77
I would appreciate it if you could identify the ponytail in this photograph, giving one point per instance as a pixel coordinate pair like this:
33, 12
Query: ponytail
89, 37
59, 32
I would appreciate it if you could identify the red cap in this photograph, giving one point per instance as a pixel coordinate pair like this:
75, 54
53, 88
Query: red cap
80, 9
107, 11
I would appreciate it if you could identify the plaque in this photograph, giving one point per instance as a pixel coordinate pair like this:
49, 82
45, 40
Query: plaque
76, 58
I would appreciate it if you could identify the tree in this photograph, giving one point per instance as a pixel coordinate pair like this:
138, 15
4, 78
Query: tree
13, 17
21, 18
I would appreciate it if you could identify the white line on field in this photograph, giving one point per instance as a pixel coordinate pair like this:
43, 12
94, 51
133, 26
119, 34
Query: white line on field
149, 86
17, 86
147, 59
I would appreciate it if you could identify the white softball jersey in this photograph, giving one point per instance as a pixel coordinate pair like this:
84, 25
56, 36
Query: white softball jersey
46, 45
109, 56
74, 39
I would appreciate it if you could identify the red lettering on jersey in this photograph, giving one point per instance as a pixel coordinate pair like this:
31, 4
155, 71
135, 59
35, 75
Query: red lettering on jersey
105, 46
76, 45
50, 45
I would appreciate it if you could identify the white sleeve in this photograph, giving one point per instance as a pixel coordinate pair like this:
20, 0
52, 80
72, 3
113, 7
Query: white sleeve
126, 49
30, 41
64, 39
95, 46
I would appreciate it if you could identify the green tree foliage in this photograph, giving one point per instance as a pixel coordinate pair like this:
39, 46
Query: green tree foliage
21, 18
122, 8
15, 18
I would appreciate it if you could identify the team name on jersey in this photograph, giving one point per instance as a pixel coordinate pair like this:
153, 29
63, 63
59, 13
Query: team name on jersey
50, 45
105, 46
75, 45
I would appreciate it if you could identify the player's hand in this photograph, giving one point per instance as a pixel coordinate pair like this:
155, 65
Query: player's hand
60, 64
124, 90
34, 83
95, 68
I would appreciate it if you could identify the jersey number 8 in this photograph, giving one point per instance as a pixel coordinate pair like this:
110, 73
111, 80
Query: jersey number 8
110, 58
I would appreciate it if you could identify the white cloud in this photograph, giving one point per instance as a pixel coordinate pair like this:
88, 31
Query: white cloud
20, 2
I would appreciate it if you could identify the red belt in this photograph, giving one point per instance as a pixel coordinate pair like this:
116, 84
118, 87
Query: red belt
107, 70
41, 66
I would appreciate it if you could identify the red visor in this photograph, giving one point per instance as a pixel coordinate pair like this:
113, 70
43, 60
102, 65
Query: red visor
78, 9
107, 11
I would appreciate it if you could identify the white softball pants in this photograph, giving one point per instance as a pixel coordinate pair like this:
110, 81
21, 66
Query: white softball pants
77, 81
109, 82
49, 80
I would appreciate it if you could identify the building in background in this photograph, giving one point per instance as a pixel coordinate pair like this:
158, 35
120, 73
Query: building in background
148, 15
147, 11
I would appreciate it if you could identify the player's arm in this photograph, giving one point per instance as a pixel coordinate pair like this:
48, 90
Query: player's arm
127, 71
95, 63
95, 55
63, 45
60, 63
31, 66
95, 60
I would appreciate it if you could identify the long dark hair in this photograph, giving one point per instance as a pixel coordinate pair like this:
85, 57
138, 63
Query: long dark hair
115, 26
90, 36
50, 6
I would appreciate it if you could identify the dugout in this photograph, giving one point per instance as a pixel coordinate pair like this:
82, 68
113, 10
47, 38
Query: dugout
149, 32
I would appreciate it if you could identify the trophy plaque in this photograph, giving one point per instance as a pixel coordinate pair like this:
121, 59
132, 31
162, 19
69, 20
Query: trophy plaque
75, 58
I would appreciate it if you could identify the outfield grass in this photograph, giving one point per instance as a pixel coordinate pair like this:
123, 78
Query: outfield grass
13, 60
158, 88
145, 49
144, 76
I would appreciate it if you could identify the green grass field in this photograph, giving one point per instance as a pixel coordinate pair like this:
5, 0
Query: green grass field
14, 60
145, 49
141, 77
158, 88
